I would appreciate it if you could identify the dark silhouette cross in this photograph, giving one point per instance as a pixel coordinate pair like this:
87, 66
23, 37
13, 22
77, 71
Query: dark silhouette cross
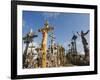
74, 48
27, 39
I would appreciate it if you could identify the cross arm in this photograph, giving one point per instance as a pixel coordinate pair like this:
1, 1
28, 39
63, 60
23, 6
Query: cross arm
86, 32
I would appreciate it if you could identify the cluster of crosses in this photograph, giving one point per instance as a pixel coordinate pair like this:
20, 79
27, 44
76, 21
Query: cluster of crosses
74, 56
31, 35
29, 38
73, 47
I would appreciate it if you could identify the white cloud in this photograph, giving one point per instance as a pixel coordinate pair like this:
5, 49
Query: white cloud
47, 15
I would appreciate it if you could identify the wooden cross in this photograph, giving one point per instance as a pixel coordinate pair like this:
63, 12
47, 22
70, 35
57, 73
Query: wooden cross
44, 31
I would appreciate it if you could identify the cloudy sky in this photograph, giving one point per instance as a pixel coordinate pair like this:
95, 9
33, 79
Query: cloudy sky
65, 24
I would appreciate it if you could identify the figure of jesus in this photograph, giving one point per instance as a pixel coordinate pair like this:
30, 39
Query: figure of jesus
84, 41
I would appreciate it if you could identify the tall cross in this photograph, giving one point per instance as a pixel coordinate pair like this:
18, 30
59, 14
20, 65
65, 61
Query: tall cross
74, 43
52, 42
44, 31
27, 39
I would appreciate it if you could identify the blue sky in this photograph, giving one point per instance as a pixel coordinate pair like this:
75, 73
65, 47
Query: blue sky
64, 25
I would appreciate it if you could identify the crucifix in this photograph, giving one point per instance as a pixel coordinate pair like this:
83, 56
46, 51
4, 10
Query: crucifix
27, 39
44, 31
84, 42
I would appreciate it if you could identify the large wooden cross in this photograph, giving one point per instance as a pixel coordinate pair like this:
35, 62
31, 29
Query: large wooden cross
44, 31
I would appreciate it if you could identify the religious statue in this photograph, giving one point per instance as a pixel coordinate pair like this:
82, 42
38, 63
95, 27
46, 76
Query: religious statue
84, 42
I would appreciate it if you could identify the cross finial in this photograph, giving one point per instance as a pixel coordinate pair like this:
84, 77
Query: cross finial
46, 23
